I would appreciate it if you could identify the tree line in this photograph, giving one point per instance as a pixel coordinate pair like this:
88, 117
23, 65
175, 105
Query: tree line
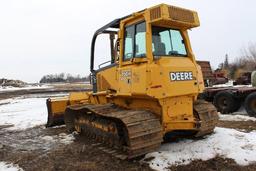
246, 62
63, 78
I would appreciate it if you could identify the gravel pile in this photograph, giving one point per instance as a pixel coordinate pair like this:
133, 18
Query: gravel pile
11, 83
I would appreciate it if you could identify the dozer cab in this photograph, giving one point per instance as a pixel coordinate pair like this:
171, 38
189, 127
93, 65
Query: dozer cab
148, 89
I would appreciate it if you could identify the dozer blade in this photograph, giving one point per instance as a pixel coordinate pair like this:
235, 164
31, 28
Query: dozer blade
56, 109
56, 106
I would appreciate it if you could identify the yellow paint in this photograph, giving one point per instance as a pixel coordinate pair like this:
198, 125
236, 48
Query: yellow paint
144, 83
58, 105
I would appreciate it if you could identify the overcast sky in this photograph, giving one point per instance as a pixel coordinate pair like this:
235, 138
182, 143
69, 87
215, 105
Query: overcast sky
39, 37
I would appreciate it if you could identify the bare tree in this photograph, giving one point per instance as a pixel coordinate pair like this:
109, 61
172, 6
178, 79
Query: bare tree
244, 63
250, 55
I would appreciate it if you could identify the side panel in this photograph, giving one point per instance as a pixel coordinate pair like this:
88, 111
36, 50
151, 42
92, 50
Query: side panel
132, 79
124, 80
162, 84
178, 113
107, 79
139, 79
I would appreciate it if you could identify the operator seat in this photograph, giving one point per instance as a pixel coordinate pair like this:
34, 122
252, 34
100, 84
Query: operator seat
159, 46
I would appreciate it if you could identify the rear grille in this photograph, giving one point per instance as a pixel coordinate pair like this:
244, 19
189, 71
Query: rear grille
181, 14
155, 13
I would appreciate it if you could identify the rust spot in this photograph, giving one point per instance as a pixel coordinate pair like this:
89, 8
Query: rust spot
156, 86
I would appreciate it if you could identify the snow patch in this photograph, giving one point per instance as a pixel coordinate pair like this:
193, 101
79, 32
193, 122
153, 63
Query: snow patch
230, 84
5, 101
66, 139
24, 112
50, 141
28, 87
232, 117
224, 142
59, 126
62, 138
9, 167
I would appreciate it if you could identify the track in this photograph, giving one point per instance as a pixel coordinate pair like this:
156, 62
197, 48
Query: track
126, 133
207, 115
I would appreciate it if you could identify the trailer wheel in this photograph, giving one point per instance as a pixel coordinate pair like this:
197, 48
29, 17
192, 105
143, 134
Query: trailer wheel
226, 102
250, 104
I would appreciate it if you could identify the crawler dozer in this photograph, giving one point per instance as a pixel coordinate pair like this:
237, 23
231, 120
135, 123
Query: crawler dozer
148, 88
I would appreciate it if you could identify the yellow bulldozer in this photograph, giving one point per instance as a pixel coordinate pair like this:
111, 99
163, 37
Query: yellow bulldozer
148, 89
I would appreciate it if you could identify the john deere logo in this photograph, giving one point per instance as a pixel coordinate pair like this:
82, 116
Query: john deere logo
181, 76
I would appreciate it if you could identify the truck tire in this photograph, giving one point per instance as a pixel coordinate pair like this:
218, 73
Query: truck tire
253, 78
250, 104
226, 102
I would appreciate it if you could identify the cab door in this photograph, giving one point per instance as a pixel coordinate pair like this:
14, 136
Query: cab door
132, 73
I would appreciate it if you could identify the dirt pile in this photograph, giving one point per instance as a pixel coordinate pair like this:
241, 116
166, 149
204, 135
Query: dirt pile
11, 83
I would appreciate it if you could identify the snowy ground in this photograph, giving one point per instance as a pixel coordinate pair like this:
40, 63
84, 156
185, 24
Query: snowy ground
230, 84
236, 118
28, 87
30, 111
224, 142
9, 167
24, 112
227, 143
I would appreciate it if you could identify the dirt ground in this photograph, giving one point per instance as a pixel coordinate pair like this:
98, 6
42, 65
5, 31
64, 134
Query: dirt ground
244, 126
215, 164
23, 148
79, 155
18, 148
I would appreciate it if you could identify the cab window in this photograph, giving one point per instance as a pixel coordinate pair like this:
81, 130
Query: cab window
128, 42
135, 41
140, 40
167, 42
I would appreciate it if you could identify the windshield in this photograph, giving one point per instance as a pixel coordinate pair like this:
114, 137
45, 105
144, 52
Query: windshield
167, 42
